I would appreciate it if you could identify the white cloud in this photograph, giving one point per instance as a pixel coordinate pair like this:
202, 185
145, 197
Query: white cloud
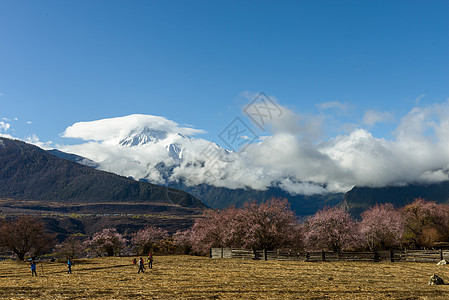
4, 126
248, 96
303, 188
419, 153
109, 141
371, 117
113, 130
339, 106
419, 98
34, 139
201, 161
4, 135
292, 158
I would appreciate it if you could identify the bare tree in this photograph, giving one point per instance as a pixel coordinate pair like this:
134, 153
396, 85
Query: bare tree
70, 248
426, 222
25, 236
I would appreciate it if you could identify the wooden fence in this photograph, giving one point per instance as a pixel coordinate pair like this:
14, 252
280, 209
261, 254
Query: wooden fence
432, 256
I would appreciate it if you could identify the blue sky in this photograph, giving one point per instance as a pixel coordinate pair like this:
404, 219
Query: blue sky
200, 62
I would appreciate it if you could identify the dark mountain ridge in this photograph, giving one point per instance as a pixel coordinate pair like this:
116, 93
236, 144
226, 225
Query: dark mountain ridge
221, 197
359, 199
355, 201
29, 173
74, 158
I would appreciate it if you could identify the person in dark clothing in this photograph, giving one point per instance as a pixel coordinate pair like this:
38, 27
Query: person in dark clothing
150, 261
33, 268
141, 265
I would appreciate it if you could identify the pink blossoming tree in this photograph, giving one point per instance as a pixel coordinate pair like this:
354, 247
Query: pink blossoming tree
217, 229
270, 225
267, 225
182, 240
331, 229
382, 227
148, 239
108, 241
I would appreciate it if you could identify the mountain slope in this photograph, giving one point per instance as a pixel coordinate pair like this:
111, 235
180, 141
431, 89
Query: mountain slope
30, 173
360, 198
220, 197
74, 158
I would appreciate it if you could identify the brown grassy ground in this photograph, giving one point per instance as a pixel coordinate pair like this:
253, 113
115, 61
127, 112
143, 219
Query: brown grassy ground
187, 277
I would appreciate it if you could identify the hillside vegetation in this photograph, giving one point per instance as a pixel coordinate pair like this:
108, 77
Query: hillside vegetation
359, 199
30, 173
221, 197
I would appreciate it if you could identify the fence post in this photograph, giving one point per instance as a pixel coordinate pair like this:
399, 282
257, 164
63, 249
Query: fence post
441, 254
391, 255
265, 254
376, 256
323, 255
255, 254
210, 253
307, 256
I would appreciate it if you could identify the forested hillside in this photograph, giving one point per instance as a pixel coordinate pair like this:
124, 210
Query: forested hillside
30, 173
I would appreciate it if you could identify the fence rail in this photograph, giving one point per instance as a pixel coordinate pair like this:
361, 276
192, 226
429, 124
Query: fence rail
432, 256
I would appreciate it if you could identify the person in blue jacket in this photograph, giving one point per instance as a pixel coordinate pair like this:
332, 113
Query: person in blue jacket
33, 268
69, 266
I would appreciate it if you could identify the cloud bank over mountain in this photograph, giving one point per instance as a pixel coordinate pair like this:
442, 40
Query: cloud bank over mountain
295, 155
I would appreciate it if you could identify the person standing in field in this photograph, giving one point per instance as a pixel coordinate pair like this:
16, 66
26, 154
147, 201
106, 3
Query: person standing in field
69, 266
150, 261
141, 266
33, 268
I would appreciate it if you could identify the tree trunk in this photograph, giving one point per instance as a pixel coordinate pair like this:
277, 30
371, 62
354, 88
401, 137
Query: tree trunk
21, 256
110, 251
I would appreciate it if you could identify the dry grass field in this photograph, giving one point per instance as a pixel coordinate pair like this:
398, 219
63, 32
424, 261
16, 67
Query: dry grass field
188, 277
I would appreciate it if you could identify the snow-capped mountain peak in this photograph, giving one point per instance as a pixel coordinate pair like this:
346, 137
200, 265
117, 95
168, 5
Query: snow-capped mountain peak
173, 142
138, 137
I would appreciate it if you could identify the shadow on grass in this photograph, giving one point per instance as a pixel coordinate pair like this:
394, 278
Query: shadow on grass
45, 273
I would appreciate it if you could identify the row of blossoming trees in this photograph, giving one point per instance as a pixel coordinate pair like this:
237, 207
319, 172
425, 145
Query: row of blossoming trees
110, 242
273, 225
26, 236
269, 225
